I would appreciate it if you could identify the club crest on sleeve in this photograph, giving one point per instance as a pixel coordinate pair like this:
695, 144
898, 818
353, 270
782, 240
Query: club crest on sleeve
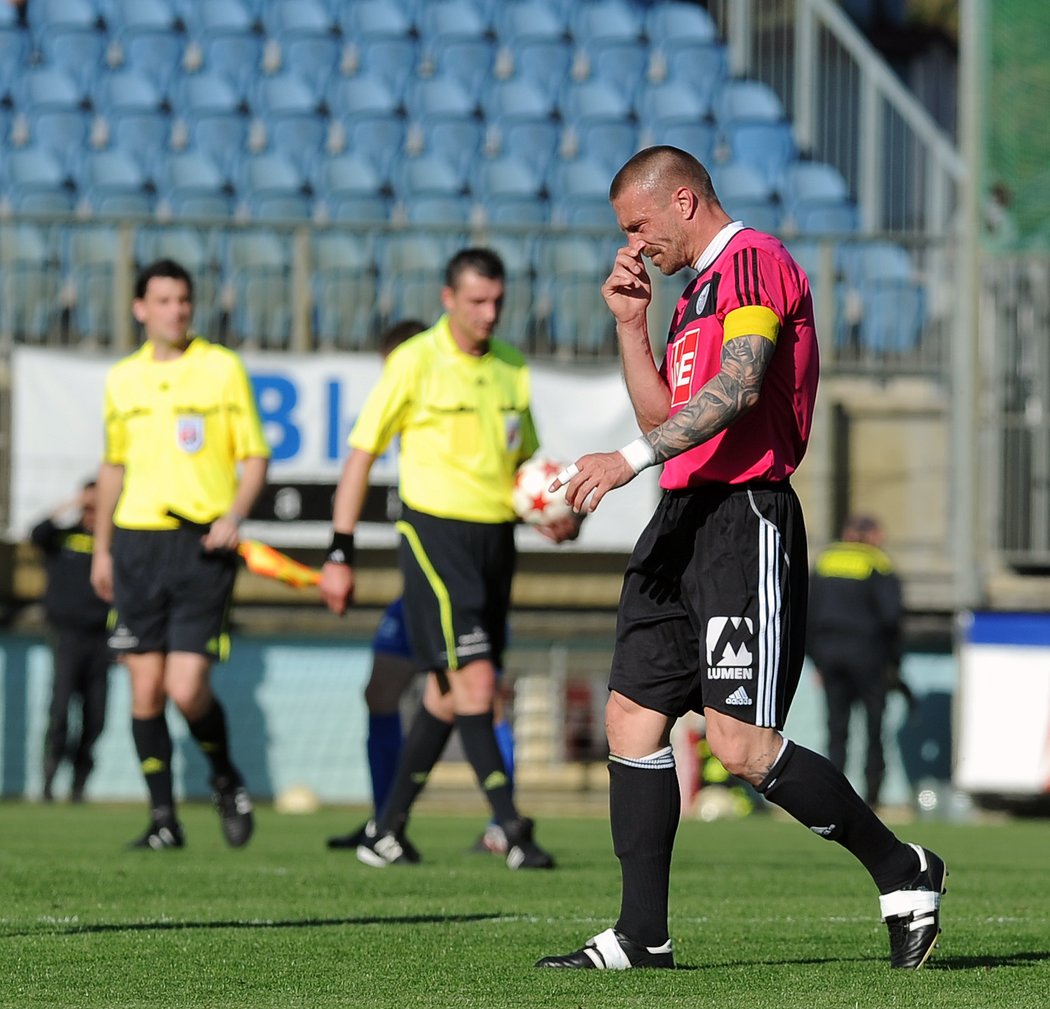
190, 432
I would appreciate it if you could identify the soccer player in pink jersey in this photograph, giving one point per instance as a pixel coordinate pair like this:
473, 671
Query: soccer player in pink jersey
713, 609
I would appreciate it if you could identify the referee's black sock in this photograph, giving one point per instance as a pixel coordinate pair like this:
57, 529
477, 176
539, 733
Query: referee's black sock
482, 750
644, 806
153, 746
423, 746
809, 787
210, 732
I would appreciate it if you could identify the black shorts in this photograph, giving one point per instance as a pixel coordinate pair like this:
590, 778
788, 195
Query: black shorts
713, 608
170, 595
457, 588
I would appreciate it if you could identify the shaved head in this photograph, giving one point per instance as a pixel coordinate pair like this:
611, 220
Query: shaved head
658, 171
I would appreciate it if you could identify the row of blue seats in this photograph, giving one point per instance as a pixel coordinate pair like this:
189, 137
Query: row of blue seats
360, 281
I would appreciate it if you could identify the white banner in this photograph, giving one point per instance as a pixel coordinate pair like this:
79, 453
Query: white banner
308, 405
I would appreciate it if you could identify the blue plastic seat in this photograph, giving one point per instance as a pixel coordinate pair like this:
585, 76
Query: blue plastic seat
516, 210
516, 100
186, 246
218, 17
411, 272
257, 265
237, 56
284, 94
374, 19
606, 20
427, 174
269, 173
580, 177
698, 138
621, 63
113, 182
505, 175
533, 142
126, 90
469, 61
868, 261
608, 143
544, 63
48, 88
571, 269
193, 185
702, 67
148, 15
444, 21
802, 181
892, 317
669, 102
594, 101
671, 23
351, 188
156, 54
312, 59
746, 99
458, 141
50, 15
583, 212
439, 97
14, 54
91, 256
301, 139
77, 51
769, 146
834, 217
62, 132
284, 19
392, 60
343, 282
37, 182
746, 194
447, 210
223, 137
29, 280
195, 95
528, 21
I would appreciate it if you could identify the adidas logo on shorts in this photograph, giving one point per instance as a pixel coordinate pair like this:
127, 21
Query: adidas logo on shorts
738, 696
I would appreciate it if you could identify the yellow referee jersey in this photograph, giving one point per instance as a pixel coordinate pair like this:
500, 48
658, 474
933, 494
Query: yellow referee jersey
465, 425
178, 428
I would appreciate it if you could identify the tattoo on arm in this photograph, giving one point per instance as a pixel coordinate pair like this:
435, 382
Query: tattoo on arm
722, 400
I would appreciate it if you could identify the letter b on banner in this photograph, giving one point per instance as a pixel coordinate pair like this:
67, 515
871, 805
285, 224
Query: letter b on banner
277, 397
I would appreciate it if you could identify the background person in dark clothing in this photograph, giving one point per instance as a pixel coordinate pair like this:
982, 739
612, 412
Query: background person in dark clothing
81, 651
854, 638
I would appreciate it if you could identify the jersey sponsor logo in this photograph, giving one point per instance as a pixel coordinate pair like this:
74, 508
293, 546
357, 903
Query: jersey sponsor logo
728, 643
681, 361
707, 299
474, 643
190, 432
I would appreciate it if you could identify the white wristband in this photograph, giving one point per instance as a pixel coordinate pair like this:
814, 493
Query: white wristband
639, 454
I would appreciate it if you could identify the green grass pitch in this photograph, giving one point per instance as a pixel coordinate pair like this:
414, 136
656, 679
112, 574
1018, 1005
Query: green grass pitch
764, 914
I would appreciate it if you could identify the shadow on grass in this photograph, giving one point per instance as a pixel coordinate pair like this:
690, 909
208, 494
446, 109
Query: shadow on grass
181, 926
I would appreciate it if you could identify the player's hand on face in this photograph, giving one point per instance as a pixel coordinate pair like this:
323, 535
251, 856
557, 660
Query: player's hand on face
102, 576
561, 530
628, 290
591, 477
337, 587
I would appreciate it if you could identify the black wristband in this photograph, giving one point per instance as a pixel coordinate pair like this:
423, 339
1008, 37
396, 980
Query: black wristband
341, 549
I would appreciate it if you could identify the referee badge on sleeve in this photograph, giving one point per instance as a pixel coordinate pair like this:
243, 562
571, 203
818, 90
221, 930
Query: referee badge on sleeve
190, 432
512, 425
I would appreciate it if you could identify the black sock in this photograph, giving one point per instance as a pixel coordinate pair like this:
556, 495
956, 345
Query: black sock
482, 750
644, 807
210, 732
808, 786
423, 745
153, 746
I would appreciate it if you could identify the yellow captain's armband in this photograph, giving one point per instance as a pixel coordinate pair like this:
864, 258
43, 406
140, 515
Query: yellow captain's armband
750, 320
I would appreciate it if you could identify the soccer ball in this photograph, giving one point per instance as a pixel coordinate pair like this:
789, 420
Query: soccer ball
532, 502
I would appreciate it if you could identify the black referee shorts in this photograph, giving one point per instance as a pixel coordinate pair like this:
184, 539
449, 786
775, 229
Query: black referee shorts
170, 595
713, 608
457, 579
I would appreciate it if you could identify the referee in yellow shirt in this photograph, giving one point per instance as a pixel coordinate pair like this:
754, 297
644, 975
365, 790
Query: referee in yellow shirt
185, 459
460, 401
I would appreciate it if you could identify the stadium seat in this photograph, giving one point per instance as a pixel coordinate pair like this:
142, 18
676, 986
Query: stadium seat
223, 137
62, 132
437, 209
533, 142
237, 56
702, 67
672, 23
186, 246
313, 59
103, 175
581, 177
192, 182
79, 52
606, 20
816, 199
698, 138
436, 97
42, 88
670, 102
351, 188
892, 316
394, 61
126, 90
344, 279
14, 55
196, 95
768, 146
29, 280
266, 177
608, 143
411, 273
746, 194
544, 63
444, 21
516, 100
571, 269
286, 19
748, 100
91, 255
222, 17
527, 21
374, 19
144, 135
469, 61
53, 15
299, 138
458, 141
623, 64
37, 181
515, 210
429, 174
594, 101
284, 94
155, 54
257, 266
147, 15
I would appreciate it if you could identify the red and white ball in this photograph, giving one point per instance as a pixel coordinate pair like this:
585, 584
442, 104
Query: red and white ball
533, 502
